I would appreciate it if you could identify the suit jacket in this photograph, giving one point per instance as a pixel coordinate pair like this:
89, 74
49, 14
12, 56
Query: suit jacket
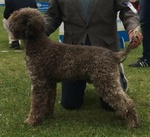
101, 26
12, 5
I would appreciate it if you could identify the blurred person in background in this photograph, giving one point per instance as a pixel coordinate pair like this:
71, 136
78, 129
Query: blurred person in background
10, 7
144, 61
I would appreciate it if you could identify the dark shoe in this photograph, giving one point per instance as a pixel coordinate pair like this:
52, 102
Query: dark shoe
124, 82
15, 45
123, 79
141, 63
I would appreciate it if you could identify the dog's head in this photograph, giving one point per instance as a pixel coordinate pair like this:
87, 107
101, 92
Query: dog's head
26, 23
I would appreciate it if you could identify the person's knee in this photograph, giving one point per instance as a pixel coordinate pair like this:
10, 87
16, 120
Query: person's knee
71, 105
73, 94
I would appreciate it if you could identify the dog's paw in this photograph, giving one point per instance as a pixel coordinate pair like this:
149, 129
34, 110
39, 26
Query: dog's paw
32, 122
132, 124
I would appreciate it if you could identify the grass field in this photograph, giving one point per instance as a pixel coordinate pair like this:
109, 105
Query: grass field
89, 121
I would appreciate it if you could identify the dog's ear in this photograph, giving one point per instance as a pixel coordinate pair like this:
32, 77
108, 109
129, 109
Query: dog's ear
26, 23
12, 20
35, 25
13, 17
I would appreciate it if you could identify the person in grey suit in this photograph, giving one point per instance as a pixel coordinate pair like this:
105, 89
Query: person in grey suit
90, 22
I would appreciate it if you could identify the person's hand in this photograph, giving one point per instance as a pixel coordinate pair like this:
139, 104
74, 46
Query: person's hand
135, 37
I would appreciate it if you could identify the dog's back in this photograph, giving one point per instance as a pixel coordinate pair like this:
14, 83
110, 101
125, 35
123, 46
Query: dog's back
28, 23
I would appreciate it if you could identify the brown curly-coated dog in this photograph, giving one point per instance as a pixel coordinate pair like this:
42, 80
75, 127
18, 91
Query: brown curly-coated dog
49, 62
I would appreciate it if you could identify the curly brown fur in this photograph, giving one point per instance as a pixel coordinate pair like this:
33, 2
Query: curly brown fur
49, 62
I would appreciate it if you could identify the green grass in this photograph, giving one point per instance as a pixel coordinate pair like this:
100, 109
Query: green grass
89, 121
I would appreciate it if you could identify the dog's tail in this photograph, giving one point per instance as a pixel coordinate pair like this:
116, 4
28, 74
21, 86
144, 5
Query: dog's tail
123, 54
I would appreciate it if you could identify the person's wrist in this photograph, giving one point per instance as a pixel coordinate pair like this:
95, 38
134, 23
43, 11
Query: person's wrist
130, 31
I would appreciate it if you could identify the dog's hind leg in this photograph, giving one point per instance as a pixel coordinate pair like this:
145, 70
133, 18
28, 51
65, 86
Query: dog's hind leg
112, 93
42, 101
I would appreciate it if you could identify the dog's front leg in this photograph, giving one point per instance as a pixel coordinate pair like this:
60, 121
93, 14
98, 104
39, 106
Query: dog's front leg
51, 98
42, 101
